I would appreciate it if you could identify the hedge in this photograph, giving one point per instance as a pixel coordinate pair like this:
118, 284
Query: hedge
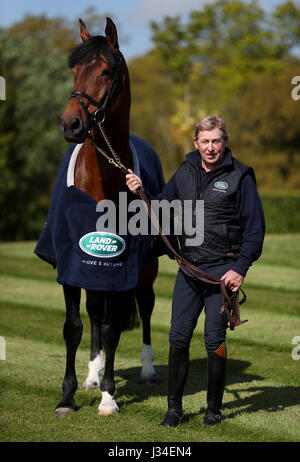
282, 211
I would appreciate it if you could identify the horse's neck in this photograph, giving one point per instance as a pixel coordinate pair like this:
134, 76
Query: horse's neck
94, 174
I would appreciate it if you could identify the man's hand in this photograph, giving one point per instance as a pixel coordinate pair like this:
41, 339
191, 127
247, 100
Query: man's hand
133, 182
233, 280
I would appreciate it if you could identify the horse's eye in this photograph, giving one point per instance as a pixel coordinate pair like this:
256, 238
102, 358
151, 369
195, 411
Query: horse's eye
106, 73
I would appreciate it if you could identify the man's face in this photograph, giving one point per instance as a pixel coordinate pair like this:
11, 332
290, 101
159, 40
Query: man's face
211, 147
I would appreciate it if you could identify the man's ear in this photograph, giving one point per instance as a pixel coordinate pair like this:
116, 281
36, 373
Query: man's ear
111, 34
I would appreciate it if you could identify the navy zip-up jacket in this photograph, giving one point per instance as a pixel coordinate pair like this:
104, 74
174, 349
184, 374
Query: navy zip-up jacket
249, 209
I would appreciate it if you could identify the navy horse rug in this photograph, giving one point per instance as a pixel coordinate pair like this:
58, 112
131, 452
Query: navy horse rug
85, 254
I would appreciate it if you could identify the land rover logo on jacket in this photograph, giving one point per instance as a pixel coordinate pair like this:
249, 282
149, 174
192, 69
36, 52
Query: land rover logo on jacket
102, 245
221, 185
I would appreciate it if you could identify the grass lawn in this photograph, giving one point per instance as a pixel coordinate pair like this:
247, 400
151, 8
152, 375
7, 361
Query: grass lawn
262, 395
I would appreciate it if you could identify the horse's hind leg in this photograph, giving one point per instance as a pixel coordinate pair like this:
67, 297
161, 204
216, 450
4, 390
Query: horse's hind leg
95, 309
146, 298
72, 336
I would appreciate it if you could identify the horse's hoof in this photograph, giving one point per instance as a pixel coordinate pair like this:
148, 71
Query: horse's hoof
108, 405
148, 380
61, 412
104, 411
90, 386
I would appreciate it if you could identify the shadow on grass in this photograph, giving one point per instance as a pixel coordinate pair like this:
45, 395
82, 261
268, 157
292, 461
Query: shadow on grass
266, 398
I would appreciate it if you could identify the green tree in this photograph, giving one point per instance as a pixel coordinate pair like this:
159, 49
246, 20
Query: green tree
267, 132
153, 102
233, 40
229, 58
286, 23
38, 85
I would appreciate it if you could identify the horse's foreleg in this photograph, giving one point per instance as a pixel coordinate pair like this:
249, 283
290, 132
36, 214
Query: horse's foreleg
72, 335
146, 298
110, 336
95, 309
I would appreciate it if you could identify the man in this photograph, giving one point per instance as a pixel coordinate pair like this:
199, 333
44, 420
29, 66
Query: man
234, 230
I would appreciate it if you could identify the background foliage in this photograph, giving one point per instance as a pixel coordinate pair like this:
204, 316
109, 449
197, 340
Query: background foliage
229, 57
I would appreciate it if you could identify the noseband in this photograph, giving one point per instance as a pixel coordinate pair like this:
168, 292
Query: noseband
94, 117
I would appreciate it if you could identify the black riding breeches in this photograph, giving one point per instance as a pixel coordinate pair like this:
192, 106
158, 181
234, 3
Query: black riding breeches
189, 299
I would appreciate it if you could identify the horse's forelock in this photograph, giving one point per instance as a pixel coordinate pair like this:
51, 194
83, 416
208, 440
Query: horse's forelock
94, 47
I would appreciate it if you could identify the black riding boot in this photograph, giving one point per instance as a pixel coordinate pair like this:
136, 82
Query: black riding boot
177, 375
216, 366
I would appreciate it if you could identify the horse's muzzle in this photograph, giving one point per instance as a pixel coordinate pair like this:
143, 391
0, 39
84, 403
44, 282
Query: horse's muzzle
74, 131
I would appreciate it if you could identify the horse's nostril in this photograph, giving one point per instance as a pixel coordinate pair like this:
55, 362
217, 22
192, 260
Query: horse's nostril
75, 125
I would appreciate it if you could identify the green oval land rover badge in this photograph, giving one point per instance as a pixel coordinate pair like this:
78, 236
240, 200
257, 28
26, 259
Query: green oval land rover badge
101, 244
221, 185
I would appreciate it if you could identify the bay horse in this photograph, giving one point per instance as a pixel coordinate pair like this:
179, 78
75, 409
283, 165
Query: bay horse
101, 93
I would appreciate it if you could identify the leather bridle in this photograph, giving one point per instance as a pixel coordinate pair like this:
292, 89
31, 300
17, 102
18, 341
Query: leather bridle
94, 117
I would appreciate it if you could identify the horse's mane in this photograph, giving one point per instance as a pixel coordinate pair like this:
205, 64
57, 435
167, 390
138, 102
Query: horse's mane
94, 47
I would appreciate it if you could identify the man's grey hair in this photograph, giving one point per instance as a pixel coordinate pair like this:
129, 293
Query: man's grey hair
209, 123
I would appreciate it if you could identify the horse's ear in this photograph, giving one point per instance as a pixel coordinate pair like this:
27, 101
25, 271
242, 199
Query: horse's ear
84, 32
111, 34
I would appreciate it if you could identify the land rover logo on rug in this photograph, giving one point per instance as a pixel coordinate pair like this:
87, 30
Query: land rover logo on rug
102, 245
221, 185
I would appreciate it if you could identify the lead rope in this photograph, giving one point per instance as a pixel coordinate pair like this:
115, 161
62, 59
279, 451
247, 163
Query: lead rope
230, 303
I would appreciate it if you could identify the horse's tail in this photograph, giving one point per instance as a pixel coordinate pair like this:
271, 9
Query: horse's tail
125, 314
130, 317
